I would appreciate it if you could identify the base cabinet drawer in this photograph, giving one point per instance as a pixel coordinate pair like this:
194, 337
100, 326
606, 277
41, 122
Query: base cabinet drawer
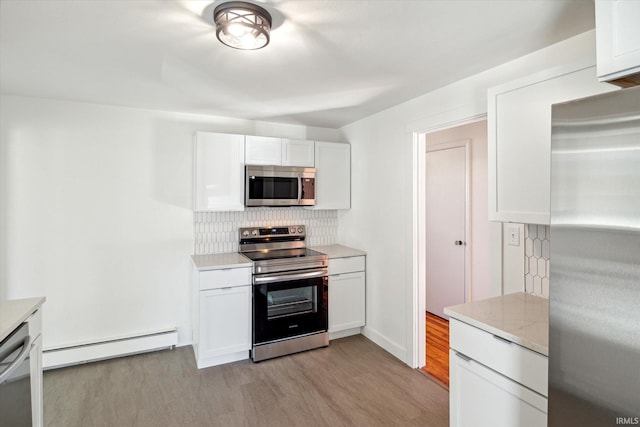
346, 265
481, 397
512, 360
215, 279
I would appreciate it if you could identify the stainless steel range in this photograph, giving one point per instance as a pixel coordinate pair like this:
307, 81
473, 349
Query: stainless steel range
290, 291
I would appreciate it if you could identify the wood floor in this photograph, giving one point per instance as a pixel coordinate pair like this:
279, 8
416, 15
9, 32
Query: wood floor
351, 383
437, 342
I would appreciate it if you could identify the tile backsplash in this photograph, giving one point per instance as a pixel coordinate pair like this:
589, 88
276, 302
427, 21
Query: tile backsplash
217, 232
536, 257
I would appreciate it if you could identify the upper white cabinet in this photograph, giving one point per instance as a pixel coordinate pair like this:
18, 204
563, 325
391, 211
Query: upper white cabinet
266, 150
263, 150
333, 175
297, 152
519, 126
618, 39
218, 172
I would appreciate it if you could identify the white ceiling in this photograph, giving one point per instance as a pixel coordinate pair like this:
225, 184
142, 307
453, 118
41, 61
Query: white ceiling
329, 62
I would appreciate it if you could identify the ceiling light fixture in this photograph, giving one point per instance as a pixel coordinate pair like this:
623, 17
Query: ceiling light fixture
242, 25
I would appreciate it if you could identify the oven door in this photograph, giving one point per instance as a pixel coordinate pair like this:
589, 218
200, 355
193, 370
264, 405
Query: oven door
289, 305
279, 186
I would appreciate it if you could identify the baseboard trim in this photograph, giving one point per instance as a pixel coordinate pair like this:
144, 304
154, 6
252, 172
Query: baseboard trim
384, 342
345, 333
91, 352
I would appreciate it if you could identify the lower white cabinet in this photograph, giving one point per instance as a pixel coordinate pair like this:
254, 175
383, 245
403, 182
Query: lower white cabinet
222, 317
494, 382
346, 296
482, 397
35, 369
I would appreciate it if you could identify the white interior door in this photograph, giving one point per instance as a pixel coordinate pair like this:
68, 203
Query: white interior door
446, 200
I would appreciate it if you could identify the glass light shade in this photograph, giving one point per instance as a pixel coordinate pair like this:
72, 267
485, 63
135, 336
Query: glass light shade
242, 25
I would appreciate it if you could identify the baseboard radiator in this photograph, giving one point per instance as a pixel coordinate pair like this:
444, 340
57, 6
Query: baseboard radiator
108, 349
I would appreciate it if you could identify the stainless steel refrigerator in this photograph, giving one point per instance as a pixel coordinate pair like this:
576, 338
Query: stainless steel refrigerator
594, 303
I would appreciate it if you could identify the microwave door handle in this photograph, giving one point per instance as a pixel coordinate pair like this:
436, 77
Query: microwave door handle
299, 188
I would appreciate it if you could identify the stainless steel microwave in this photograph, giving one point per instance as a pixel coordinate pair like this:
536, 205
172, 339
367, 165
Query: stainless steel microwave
279, 186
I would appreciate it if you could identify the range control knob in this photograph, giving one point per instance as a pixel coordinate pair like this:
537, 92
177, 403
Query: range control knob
300, 230
254, 233
245, 233
292, 230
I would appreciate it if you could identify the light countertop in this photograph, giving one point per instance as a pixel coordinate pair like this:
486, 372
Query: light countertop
338, 251
520, 318
220, 261
236, 260
14, 312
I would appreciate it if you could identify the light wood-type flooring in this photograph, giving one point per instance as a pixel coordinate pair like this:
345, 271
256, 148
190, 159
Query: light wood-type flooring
353, 382
437, 342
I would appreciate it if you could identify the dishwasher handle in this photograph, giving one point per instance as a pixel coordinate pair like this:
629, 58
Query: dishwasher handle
26, 347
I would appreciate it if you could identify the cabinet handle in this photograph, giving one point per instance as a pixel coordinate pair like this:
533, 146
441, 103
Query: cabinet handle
463, 357
504, 340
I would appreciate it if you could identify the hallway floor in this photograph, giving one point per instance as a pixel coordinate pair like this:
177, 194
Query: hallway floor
437, 342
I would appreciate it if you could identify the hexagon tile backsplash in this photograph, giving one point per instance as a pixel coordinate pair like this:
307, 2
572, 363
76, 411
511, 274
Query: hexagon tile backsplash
536, 257
217, 232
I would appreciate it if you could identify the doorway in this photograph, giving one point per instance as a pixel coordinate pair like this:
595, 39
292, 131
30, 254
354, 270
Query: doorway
447, 186
441, 149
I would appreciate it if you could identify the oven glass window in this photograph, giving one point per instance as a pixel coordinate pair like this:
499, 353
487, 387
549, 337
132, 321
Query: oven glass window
273, 188
291, 302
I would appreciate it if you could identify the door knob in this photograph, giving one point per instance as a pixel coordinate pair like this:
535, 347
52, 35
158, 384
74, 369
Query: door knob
458, 243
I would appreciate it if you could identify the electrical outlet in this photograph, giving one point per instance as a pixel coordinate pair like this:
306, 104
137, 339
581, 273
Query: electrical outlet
513, 236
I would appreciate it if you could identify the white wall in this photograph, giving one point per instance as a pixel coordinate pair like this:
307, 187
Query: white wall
382, 214
96, 213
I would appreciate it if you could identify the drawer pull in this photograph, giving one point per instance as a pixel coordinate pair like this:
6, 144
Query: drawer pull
464, 357
506, 341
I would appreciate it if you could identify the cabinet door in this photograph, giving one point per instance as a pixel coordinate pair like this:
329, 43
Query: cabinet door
617, 38
225, 321
263, 150
346, 301
480, 397
296, 152
333, 175
219, 172
520, 140
37, 402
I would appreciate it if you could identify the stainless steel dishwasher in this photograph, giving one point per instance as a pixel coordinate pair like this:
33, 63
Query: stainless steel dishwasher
15, 379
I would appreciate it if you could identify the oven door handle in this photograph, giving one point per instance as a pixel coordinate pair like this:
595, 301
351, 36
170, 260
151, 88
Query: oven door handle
26, 347
299, 188
287, 277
